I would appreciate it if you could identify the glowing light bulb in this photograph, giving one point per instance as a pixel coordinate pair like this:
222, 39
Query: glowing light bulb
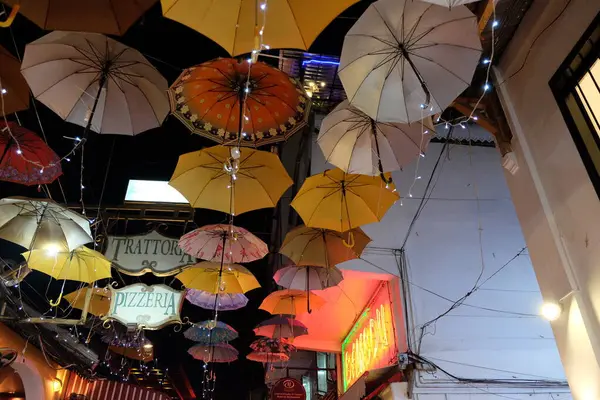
495, 24
485, 61
263, 6
52, 250
4, 91
19, 151
551, 311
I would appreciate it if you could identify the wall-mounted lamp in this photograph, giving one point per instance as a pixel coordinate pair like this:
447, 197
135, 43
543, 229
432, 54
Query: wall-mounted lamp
552, 310
56, 385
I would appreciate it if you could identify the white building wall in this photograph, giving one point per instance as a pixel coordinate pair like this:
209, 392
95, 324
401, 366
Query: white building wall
468, 225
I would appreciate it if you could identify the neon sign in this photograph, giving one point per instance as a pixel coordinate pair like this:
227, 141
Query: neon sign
371, 343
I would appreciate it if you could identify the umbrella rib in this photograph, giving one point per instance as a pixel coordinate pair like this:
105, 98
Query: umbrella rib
427, 32
66, 77
444, 68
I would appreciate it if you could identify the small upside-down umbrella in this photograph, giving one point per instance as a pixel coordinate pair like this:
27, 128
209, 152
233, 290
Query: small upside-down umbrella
216, 278
211, 178
14, 91
292, 302
42, 224
308, 277
211, 332
217, 353
404, 60
340, 201
207, 99
234, 25
99, 301
96, 82
357, 144
223, 243
223, 301
82, 264
25, 158
112, 17
281, 326
272, 345
306, 246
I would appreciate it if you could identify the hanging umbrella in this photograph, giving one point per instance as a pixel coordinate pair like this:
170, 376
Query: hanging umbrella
96, 82
404, 60
25, 158
99, 301
14, 91
321, 247
112, 17
211, 178
218, 353
207, 243
450, 3
120, 337
207, 99
224, 301
42, 224
82, 264
340, 201
270, 345
234, 25
357, 144
292, 302
140, 354
211, 332
308, 278
213, 278
267, 358
281, 326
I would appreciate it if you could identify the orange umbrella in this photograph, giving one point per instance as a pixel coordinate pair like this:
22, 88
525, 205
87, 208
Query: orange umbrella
13, 87
291, 302
207, 99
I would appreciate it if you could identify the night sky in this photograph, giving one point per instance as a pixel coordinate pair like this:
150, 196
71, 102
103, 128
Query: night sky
153, 155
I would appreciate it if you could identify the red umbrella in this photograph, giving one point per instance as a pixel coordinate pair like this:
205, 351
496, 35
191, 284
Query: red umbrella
25, 158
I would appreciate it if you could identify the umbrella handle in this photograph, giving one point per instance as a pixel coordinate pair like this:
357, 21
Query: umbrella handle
11, 17
350, 243
57, 302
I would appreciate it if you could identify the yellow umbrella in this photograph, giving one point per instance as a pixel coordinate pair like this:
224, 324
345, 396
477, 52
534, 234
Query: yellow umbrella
291, 302
235, 24
99, 302
340, 201
205, 276
321, 247
81, 264
211, 178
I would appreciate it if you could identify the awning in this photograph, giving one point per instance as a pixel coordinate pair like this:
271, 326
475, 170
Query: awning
373, 382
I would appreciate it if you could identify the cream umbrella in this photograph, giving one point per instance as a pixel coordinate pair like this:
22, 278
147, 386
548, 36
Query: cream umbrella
357, 144
404, 60
96, 82
450, 3
42, 224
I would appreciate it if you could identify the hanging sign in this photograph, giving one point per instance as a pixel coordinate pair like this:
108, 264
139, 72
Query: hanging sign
149, 307
371, 343
288, 389
151, 252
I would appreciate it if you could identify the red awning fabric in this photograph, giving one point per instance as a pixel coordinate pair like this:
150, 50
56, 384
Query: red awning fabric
109, 390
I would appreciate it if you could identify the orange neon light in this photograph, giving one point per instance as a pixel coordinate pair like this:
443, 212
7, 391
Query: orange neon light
370, 346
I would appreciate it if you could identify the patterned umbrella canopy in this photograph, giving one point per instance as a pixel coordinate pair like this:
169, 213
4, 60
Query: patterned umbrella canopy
281, 326
25, 158
267, 357
206, 243
211, 332
225, 301
218, 353
207, 99
270, 345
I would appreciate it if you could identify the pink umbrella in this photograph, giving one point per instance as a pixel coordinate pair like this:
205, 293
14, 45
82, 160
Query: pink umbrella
207, 243
267, 357
308, 278
218, 353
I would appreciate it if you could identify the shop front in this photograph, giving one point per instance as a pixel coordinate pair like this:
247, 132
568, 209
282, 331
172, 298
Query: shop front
369, 357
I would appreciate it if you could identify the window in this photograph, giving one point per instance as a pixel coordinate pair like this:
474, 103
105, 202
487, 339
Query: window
576, 87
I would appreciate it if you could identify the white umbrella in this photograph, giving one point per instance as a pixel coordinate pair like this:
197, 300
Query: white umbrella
96, 82
42, 224
404, 60
308, 278
450, 3
357, 144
